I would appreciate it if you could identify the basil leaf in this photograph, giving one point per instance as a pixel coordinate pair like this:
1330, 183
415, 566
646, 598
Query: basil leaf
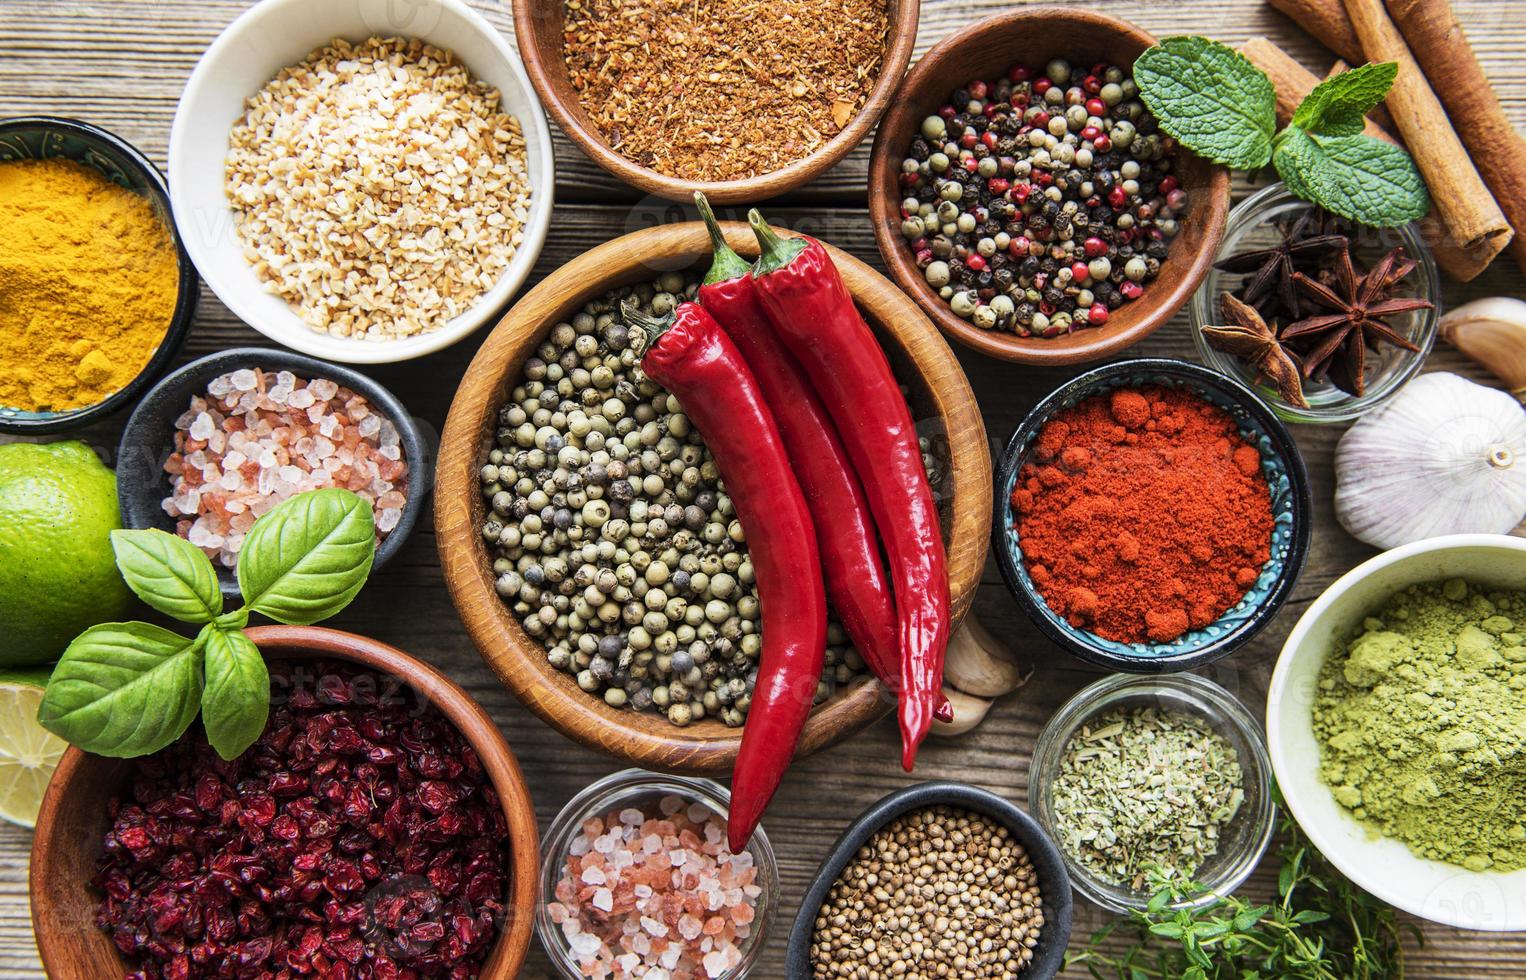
236, 702
124, 690
1357, 177
306, 559
1338, 106
169, 573
1211, 98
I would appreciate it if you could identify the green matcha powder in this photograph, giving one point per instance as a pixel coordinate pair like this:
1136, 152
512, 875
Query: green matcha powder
1421, 722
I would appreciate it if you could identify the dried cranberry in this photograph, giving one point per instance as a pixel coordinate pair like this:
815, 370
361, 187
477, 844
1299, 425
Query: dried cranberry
358, 837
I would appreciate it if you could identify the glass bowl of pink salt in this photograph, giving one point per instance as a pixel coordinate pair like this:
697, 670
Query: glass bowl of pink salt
638, 882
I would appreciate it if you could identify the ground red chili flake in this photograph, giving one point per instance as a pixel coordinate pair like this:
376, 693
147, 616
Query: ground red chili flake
359, 838
722, 89
1142, 514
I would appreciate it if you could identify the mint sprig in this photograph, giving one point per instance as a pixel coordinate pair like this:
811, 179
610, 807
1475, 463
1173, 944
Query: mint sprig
1213, 101
1210, 98
130, 689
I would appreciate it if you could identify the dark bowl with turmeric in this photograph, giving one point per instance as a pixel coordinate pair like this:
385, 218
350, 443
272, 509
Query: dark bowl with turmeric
41, 290
1176, 522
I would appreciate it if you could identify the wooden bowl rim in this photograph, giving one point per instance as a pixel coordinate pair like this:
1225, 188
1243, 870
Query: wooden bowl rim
705, 748
544, 70
1151, 312
316, 642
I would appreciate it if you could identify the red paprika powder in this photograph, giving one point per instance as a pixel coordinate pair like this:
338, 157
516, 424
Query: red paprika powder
1142, 514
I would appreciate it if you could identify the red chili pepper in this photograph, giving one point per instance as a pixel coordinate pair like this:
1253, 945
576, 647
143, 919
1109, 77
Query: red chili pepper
850, 551
690, 355
811, 308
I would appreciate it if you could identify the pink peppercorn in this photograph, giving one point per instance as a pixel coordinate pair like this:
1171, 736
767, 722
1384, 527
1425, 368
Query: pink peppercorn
1019, 73
1080, 272
1131, 290
1095, 107
1117, 198
1094, 247
1097, 315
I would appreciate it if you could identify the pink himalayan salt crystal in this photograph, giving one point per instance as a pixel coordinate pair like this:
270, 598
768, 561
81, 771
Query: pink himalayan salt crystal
644, 893
257, 437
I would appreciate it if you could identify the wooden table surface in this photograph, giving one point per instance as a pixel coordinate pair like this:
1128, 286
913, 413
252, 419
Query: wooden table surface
122, 65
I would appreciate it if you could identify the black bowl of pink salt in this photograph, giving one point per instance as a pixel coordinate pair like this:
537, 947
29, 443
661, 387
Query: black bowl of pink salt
1151, 515
224, 439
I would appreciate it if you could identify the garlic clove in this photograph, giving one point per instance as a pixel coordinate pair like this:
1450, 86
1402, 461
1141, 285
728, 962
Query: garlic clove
1445, 456
978, 663
969, 711
1492, 332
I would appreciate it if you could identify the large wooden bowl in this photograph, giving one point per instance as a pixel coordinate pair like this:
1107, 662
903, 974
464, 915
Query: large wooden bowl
940, 397
986, 49
539, 25
74, 819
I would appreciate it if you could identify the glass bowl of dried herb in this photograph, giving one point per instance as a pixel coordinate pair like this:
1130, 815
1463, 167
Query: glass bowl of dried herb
1144, 780
1326, 318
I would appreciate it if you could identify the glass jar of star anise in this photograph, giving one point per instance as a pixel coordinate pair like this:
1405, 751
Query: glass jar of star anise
1326, 318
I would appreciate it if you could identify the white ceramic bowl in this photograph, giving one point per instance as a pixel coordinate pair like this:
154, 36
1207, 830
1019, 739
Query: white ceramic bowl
275, 34
1433, 890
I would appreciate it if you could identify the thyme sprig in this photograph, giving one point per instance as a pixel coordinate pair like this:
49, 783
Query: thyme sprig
1321, 927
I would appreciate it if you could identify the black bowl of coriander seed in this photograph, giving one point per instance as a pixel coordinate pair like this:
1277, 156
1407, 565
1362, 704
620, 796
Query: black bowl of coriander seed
1005, 905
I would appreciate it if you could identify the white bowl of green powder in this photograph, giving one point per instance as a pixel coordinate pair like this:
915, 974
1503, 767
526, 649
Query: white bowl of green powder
1396, 723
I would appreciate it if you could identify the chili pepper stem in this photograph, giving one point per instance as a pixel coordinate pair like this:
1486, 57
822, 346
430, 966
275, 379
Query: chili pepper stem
726, 264
652, 326
776, 252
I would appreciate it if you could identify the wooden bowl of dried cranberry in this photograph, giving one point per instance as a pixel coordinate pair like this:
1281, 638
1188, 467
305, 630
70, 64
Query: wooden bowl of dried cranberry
426, 864
1078, 293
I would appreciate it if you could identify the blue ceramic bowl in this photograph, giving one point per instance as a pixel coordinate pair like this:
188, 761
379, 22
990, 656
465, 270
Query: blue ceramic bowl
38, 137
149, 438
1048, 863
1292, 508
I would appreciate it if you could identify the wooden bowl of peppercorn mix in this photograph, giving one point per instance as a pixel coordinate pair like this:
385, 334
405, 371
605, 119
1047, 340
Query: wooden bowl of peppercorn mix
743, 102
962, 264
940, 398
75, 819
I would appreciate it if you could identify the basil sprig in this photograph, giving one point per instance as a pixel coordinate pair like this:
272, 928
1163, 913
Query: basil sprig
1213, 101
130, 689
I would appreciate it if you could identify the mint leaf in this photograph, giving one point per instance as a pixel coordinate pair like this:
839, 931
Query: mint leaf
1211, 99
236, 702
169, 573
1357, 177
307, 558
124, 690
1338, 106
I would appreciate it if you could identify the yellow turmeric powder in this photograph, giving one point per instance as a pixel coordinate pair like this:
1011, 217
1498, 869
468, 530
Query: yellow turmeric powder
88, 283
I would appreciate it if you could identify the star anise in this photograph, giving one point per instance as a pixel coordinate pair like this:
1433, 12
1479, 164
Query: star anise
1272, 268
1359, 307
1245, 335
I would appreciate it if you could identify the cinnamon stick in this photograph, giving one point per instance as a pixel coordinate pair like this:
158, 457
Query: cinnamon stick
1442, 49
1457, 192
1326, 20
1292, 82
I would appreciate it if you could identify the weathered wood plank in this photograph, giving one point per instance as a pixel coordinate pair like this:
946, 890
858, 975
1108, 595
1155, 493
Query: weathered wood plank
122, 65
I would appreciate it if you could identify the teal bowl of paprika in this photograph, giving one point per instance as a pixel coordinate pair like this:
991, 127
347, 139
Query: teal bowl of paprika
1151, 515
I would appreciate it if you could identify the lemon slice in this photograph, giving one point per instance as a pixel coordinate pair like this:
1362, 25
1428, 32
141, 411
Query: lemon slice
28, 752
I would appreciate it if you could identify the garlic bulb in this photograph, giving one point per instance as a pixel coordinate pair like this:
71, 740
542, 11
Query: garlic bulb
1446, 456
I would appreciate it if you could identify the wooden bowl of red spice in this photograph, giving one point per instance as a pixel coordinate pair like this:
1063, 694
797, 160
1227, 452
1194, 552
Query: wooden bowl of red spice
1152, 515
939, 395
1020, 45
336, 672
741, 101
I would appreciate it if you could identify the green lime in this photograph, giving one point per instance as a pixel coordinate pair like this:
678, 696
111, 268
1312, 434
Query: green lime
28, 752
58, 506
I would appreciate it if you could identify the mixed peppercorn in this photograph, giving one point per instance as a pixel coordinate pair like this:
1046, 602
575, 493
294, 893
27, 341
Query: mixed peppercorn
1040, 202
